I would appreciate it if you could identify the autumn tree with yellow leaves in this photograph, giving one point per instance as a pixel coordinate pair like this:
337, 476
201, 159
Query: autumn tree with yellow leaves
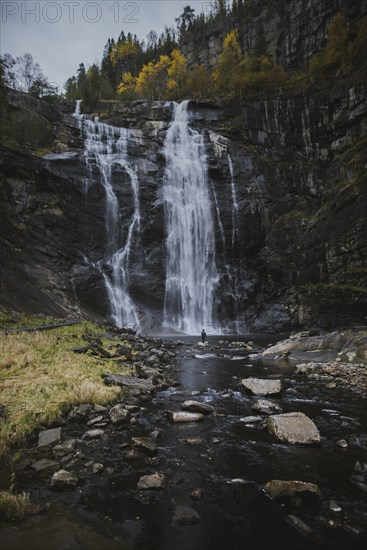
227, 74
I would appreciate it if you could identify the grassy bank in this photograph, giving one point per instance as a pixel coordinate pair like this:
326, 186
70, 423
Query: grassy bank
40, 377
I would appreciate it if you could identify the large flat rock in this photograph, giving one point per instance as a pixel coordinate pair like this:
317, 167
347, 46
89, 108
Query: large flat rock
151, 482
261, 386
196, 406
131, 382
277, 488
184, 416
293, 427
47, 438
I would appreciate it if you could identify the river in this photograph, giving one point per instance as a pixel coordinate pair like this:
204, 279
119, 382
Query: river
223, 462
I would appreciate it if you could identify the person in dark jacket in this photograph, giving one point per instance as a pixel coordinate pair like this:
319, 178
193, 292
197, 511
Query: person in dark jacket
203, 336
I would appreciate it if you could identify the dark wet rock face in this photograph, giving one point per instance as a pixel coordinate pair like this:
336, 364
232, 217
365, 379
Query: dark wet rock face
290, 223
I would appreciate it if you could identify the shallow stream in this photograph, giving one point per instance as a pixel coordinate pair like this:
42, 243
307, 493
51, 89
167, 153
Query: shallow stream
228, 461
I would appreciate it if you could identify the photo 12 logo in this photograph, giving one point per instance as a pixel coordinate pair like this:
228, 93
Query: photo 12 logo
53, 12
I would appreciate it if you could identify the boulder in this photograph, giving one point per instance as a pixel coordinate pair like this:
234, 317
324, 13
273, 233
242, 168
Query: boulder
44, 465
152, 482
196, 406
46, 438
136, 384
277, 488
184, 416
64, 448
146, 445
293, 427
63, 480
261, 386
119, 415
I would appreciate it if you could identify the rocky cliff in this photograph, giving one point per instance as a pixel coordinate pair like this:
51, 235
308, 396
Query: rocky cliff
288, 191
291, 31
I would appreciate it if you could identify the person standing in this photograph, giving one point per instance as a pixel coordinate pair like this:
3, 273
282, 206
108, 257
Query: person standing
203, 336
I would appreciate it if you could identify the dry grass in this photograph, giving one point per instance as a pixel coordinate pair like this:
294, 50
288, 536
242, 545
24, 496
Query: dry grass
40, 378
13, 507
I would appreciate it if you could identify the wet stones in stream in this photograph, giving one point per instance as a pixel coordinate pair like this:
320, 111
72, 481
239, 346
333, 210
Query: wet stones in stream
123, 463
97, 441
260, 386
294, 427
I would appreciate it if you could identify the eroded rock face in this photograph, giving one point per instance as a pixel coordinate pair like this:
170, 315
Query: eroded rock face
283, 269
282, 24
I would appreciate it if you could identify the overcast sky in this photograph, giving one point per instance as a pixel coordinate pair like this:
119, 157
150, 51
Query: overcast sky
63, 33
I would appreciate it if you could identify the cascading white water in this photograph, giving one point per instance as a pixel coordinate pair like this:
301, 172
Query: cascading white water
77, 108
106, 146
234, 204
191, 273
221, 229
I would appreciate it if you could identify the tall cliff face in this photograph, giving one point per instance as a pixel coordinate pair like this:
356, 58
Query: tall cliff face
292, 30
288, 195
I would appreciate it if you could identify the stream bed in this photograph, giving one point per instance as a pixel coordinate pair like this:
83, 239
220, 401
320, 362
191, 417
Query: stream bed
215, 469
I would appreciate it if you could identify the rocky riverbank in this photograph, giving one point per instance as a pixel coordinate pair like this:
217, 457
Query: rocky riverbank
126, 449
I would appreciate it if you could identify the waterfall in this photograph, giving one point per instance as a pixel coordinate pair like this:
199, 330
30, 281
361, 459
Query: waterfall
191, 273
221, 229
106, 147
234, 204
77, 108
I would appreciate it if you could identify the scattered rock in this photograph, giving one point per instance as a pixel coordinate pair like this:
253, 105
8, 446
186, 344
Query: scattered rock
80, 412
184, 515
152, 482
266, 407
46, 438
196, 406
138, 385
95, 420
279, 488
93, 434
184, 416
97, 467
260, 386
334, 506
63, 480
132, 454
64, 448
294, 427
44, 465
193, 441
298, 524
119, 415
342, 443
146, 445
251, 420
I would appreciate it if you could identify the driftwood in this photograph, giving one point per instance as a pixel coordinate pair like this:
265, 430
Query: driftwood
39, 327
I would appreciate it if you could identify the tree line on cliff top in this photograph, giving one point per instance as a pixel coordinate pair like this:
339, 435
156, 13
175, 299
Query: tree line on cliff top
157, 69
